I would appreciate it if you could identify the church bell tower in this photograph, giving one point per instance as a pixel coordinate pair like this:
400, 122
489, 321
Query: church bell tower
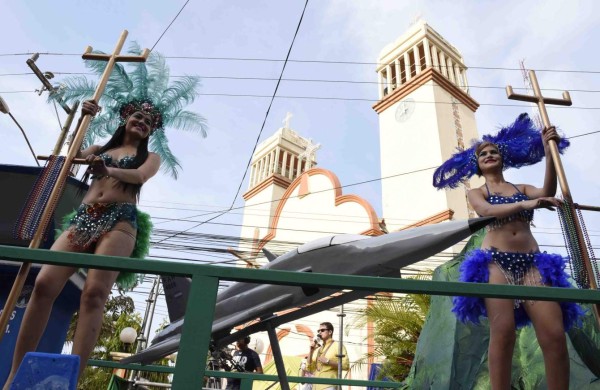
425, 113
276, 163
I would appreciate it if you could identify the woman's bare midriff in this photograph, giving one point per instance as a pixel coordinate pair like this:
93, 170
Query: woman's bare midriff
512, 237
107, 190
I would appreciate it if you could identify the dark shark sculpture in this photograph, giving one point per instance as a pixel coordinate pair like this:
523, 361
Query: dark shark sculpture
344, 254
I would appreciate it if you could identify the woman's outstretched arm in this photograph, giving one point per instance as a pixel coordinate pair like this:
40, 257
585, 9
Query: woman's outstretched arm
550, 180
485, 209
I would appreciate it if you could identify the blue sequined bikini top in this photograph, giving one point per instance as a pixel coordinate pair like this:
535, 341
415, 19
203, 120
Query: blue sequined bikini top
524, 215
123, 163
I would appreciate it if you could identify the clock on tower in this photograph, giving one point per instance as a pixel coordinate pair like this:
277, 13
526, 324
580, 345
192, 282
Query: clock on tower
425, 113
405, 109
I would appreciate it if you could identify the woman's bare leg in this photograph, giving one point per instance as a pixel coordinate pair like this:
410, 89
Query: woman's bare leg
502, 334
48, 285
96, 290
547, 319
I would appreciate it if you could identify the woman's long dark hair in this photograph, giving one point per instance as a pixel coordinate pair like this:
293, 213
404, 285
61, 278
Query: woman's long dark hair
140, 158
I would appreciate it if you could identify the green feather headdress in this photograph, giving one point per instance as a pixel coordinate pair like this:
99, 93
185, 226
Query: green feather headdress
145, 82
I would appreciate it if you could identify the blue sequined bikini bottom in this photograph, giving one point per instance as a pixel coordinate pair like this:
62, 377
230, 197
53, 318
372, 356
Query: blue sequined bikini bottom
518, 269
92, 221
514, 266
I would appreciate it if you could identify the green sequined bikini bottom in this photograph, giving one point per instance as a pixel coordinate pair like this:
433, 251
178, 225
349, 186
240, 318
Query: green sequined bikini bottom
92, 221
99, 219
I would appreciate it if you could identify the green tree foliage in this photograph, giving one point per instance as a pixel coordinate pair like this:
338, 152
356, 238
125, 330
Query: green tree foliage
119, 313
398, 321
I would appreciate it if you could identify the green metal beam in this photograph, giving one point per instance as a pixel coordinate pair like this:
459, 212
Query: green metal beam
300, 379
195, 336
133, 366
248, 377
365, 283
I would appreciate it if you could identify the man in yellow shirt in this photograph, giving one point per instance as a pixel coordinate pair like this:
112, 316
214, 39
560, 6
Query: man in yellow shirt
323, 360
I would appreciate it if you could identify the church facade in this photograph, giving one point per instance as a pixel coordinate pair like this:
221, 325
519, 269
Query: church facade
425, 113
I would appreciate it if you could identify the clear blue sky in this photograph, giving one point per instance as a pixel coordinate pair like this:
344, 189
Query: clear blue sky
553, 35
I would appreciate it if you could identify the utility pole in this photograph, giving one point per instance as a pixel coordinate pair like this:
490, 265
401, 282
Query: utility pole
5, 110
340, 354
144, 336
46, 86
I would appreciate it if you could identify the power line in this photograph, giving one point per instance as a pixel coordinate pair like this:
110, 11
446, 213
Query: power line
270, 103
263, 125
172, 21
57, 116
581, 135
318, 217
524, 106
205, 58
376, 100
304, 213
192, 243
187, 240
241, 225
320, 191
221, 212
238, 78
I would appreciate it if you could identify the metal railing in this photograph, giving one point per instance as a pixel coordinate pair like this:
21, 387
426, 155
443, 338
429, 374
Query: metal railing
190, 367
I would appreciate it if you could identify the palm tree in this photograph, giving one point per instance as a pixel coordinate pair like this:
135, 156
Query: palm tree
146, 80
398, 321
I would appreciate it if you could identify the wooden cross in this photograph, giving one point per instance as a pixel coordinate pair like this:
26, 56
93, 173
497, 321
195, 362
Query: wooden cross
250, 259
286, 120
541, 102
64, 171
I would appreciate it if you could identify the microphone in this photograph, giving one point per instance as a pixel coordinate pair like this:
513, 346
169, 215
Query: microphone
316, 341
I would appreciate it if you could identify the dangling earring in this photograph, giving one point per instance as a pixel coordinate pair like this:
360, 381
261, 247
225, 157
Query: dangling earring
122, 121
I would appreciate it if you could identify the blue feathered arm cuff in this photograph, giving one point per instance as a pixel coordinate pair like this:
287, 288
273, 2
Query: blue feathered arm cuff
520, 144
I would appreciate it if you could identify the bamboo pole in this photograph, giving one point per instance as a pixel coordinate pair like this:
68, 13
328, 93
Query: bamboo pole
541, 102
64, 172
586, 207
65, 130
82, 161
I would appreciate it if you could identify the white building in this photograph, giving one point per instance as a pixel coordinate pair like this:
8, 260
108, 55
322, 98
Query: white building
290, 201
425, 113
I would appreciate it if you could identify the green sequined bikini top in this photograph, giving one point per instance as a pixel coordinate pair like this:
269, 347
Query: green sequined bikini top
123, 163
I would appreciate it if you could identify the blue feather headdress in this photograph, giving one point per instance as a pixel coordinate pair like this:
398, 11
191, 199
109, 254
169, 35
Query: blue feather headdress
520, 144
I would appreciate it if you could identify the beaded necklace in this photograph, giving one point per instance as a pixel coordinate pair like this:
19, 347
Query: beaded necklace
31, 214
576, 262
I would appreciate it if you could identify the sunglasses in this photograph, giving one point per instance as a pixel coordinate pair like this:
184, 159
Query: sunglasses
322, 330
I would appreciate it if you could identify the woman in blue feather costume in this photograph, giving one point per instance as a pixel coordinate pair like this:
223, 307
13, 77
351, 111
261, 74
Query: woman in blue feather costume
509, 253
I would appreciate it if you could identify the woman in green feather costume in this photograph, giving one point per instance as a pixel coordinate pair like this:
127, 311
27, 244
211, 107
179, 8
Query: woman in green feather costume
108, 222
